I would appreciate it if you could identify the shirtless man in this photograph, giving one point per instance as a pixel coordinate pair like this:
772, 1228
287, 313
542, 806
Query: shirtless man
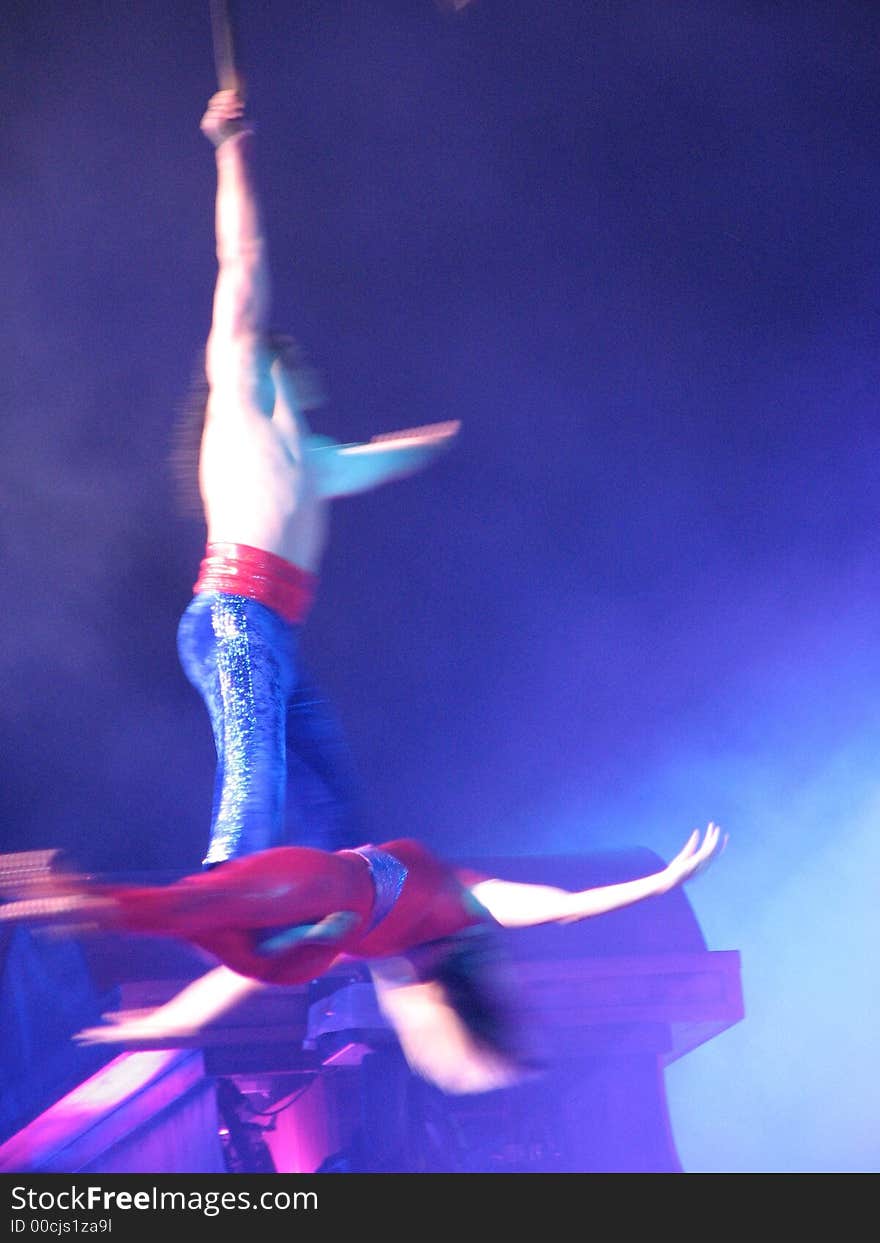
265, 480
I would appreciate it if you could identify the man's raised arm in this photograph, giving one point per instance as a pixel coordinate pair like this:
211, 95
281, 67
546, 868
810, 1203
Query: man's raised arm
241, 294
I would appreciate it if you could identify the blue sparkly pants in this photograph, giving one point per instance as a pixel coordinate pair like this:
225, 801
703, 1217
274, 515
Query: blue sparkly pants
271, 730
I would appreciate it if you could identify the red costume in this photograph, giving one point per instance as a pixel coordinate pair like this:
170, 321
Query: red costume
230, 910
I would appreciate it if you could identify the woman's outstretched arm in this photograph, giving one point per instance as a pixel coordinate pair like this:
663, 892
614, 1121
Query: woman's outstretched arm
517, 905
186, 1014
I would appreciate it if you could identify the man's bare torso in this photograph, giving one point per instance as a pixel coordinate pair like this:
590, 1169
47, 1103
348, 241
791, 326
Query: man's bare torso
258, 482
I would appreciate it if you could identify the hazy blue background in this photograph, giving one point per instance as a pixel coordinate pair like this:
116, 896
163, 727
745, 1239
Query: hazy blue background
633, 245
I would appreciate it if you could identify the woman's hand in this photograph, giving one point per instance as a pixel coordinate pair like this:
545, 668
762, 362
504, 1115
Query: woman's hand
694, 856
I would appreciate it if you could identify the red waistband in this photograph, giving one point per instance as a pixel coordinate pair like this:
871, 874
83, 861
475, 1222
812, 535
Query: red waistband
262, 576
